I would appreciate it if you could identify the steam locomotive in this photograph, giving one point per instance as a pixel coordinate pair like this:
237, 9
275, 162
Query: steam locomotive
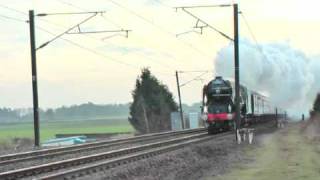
218, 106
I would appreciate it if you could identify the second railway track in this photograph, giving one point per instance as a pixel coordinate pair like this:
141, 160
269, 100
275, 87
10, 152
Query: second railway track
54, 152
111, 156
86, 171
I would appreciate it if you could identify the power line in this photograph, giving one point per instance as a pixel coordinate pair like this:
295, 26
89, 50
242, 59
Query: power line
207, 25
249, 27
196, 78
12, 9
206, 6
21, 12
79, 30
163, 4
159, 27
141, 17
88, 49
61, 34
253, 36
72, 13
76, 44
78, 7
195, 71
107, 19
200, 20
191, 74
13, 18
98, 53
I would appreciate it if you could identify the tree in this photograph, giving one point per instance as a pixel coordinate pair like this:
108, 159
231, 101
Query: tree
49, 114
316, 106
152, 104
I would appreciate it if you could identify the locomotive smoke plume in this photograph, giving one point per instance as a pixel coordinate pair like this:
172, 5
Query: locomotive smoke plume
286, 75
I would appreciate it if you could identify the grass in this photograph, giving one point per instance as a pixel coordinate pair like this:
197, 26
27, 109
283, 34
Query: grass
48, 129
284, 157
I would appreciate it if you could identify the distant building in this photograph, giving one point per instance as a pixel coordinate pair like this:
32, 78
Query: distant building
191, 121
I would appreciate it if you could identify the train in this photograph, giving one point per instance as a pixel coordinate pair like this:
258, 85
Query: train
218, 106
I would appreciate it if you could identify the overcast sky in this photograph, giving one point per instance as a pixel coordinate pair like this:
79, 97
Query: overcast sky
102, 68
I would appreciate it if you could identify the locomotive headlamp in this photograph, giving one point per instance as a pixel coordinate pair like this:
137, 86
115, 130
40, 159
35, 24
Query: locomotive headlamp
204, 117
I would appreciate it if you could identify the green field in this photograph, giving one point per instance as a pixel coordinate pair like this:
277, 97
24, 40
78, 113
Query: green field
48, 129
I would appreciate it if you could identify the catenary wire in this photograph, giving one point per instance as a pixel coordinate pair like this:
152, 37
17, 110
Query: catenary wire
117, 25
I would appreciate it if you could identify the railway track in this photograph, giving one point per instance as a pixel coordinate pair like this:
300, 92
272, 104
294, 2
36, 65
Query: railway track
75, 167
101, 166
54, 152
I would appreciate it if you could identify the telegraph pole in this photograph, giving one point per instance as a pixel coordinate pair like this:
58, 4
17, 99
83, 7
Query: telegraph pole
236, 69
34, 80
33, 56
180, 105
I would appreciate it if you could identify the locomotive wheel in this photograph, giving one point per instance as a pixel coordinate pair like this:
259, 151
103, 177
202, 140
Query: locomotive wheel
211, 129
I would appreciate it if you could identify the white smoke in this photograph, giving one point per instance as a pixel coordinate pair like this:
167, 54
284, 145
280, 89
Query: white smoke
286, 75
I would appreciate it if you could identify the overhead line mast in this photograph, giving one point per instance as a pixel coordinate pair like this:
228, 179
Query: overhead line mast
236, 68
236, 50
34, 80
34, 66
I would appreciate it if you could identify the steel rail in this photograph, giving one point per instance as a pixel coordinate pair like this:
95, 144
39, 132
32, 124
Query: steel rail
100, 166
82, 149
18, 157
50, 167
88, 169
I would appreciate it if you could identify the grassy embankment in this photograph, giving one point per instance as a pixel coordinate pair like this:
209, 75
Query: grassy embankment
50, 128
284, 156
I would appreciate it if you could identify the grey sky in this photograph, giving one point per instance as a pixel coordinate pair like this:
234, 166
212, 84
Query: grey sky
95, 72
